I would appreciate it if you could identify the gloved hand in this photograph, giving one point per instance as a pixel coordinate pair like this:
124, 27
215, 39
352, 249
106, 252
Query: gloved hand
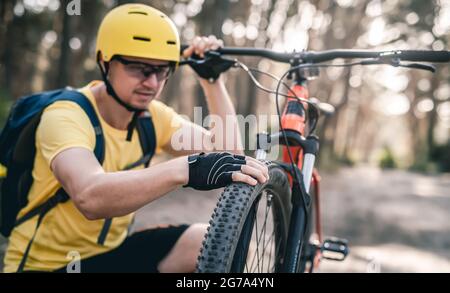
211, 66
206, 62
213, 170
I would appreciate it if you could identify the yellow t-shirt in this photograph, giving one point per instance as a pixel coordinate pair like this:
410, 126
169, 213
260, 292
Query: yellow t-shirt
64, 229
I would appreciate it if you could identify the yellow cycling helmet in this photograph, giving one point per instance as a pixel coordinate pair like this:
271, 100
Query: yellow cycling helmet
138, 30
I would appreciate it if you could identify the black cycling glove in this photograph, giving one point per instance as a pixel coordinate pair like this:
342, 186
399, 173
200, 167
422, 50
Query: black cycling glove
211, 66
212, 170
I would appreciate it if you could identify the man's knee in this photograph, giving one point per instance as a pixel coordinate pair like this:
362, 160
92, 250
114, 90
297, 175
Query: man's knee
183, 256
196, 233
191, 240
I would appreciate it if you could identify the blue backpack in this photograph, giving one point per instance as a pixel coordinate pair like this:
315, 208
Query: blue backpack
17, 153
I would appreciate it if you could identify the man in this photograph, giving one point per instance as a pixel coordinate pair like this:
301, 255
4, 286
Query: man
137, 49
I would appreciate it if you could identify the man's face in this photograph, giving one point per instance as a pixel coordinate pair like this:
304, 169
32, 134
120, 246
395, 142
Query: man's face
137, 81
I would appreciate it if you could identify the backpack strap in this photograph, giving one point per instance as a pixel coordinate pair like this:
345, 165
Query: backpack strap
147, 138
86, 105
61, 196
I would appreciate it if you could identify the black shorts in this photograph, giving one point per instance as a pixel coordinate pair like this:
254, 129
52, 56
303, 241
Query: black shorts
139, 253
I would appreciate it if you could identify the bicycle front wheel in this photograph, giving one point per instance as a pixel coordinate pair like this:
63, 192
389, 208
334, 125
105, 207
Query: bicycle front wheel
248, 229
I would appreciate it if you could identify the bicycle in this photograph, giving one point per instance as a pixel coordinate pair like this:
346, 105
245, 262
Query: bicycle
291, 198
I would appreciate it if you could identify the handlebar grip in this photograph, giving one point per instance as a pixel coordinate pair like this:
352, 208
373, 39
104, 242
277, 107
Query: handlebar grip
427, 56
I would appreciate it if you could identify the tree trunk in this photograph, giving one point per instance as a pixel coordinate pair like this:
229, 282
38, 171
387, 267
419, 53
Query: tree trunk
213, 12
8, 20
63, 78
432, 116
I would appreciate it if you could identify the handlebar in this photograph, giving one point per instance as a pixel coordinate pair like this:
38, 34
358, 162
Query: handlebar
317, 57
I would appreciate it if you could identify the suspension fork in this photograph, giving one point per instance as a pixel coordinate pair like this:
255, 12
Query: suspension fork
301, 203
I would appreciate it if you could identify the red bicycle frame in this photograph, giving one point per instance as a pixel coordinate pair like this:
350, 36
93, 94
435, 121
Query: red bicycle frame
295, 120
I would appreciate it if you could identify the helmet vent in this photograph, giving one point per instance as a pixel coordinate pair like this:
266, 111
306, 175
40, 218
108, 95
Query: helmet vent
144, 39
138, 12
171, 42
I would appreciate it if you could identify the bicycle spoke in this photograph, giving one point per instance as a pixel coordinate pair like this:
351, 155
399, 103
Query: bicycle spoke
268, 208
264, 229
255, 220
272, 236
270, 255
270, 240
258, 239
264, 232
277, 251
277, 248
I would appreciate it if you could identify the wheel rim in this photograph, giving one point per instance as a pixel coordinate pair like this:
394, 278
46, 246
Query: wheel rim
261, 241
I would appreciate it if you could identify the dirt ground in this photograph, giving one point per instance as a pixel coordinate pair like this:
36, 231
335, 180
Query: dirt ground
395, 221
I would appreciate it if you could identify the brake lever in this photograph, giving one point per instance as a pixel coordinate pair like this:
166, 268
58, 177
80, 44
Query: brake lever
397, 63
422, 66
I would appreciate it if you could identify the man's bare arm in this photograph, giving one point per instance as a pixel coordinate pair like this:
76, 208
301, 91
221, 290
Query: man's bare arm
98, 194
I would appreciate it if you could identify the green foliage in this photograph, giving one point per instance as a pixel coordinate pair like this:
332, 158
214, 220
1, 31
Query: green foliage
346, 161
387, 160
441, 156
423, 163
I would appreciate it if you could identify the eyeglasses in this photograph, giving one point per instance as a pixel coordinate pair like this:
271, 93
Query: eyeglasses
143, 70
